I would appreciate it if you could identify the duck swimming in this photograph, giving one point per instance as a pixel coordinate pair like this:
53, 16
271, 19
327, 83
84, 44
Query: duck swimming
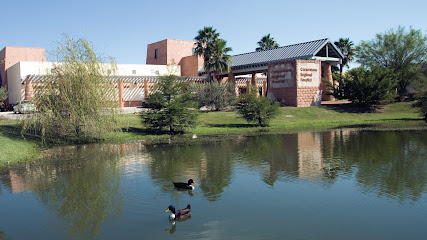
183, 185
180, 214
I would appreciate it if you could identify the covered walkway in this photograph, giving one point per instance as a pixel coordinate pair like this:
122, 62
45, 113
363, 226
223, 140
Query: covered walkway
252, 63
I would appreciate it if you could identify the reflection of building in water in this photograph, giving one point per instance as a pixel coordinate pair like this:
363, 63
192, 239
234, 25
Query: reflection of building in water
302, 154
63, 160
133, 154
310, 161
17, 183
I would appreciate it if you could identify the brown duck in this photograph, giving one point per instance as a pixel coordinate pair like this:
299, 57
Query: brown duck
180, 214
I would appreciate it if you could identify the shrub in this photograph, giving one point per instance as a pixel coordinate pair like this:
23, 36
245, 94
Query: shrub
3, 96
214, 95
171, 106
422, 104
257, 109
365, 86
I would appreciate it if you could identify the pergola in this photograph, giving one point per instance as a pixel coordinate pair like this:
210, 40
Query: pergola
132, 89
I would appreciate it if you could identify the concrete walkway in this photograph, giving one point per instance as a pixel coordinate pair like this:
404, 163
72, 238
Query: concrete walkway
125, 110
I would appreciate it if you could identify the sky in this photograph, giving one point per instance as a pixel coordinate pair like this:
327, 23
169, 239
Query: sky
123, 29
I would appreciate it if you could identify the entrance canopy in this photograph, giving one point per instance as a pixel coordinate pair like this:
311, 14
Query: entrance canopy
255, 62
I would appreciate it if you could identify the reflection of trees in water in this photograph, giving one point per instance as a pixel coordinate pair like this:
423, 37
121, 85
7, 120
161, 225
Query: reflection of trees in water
209, 164
174, 162
216, 168
272, 155
79, 184
389, 162
333, 149
3, 235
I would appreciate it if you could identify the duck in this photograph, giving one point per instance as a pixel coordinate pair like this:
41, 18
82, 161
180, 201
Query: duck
180, 214
183, 185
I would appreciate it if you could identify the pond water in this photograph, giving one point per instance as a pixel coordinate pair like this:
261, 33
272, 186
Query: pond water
342, 184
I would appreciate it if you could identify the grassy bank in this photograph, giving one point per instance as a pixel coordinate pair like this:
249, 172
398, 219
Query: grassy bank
399, 115
13, 148
290, 119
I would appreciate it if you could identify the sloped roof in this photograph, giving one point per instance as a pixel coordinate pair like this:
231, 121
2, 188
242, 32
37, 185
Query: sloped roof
307, 50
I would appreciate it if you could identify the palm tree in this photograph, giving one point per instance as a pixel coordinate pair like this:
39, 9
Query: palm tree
346, 47
219, 60
214, 52
267, 42
205, 40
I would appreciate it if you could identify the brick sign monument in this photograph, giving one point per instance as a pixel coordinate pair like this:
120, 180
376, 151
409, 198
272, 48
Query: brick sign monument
297, 82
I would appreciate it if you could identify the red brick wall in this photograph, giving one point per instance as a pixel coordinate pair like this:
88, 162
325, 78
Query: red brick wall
174, 50
162, 53
190, 65
177, 49
13, 55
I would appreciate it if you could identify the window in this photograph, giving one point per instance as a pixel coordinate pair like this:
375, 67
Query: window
193, 51
156, 53
133, 71
53, 70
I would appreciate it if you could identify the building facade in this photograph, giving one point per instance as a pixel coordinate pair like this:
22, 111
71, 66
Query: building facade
290, 74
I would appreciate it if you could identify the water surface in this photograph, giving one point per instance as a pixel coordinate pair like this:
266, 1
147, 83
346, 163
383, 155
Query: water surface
343, 184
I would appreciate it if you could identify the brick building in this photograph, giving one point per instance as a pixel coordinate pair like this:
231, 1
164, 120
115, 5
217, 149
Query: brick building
292, 74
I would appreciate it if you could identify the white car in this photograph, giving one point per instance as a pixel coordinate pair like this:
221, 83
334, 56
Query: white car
24, 106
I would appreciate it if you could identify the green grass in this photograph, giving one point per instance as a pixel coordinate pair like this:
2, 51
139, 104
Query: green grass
397, 116
14, 148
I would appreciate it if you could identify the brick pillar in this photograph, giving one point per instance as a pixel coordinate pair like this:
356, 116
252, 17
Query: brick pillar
264, 88
267, 83
326, 74
28, 89
248, 87
146, 89
121, 103
254, 83
231, 78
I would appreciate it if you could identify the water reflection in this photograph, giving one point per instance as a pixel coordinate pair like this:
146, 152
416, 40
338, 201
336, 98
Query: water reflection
83, 185
389, 163
3, 235
82, 188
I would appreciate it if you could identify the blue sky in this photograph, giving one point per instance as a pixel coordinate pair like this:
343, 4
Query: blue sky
123, 29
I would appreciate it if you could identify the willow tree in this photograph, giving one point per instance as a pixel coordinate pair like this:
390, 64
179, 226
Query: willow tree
76, 101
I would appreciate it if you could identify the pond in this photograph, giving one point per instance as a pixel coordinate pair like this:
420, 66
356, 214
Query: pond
341, 184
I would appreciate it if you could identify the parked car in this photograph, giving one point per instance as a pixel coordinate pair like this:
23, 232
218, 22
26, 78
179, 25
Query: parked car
25, 106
